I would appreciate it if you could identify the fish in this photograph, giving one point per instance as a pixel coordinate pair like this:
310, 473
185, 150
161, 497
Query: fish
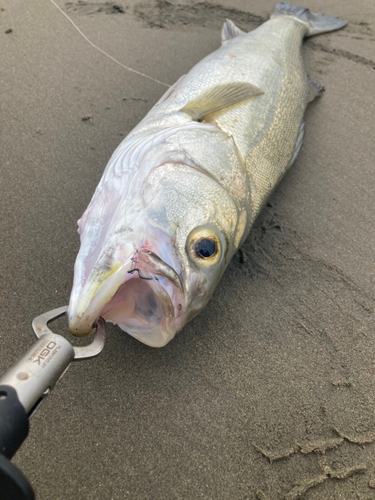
181, 192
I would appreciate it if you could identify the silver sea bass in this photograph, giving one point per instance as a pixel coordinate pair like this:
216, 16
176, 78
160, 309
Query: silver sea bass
181, 192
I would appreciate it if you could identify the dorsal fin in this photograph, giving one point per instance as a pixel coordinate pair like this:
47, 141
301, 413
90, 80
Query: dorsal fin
220, 97
230, 31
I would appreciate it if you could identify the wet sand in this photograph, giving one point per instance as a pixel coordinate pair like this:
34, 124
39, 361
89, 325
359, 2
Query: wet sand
269, 393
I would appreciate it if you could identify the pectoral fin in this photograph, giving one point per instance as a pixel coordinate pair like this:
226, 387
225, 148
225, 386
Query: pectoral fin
220, 97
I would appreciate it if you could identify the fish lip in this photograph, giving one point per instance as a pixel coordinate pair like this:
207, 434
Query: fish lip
84, 313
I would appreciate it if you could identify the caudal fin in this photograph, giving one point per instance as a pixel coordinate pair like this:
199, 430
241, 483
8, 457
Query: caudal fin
316, 23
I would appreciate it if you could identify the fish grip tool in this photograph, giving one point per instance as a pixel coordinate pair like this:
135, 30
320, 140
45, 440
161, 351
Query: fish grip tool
24, 387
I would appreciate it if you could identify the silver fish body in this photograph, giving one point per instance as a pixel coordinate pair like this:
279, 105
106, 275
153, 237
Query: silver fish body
181, 192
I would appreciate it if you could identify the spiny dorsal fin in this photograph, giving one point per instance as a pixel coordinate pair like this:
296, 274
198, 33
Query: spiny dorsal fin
220, 97
230, 31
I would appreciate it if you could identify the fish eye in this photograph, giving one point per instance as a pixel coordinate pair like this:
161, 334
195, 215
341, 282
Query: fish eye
204, 247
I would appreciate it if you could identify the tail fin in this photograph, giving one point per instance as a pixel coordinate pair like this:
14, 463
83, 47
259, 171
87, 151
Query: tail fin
316, 23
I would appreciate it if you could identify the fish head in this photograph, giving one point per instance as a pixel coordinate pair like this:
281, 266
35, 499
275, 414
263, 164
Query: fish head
135, 282
150, 262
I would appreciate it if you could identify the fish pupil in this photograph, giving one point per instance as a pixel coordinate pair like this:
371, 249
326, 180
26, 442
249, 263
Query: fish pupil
206, 248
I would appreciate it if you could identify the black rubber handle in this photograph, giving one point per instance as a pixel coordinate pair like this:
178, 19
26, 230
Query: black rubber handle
13, 484
14, 422
14, 428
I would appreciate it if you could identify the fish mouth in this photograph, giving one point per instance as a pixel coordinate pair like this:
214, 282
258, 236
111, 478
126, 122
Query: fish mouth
144, 296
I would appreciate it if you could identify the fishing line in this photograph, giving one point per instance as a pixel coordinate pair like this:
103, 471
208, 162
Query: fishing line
105, 53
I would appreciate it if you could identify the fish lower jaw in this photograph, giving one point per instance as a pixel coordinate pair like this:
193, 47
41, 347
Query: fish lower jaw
81, 326
156, 336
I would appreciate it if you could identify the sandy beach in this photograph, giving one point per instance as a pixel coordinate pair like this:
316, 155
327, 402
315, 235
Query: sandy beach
269, 394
